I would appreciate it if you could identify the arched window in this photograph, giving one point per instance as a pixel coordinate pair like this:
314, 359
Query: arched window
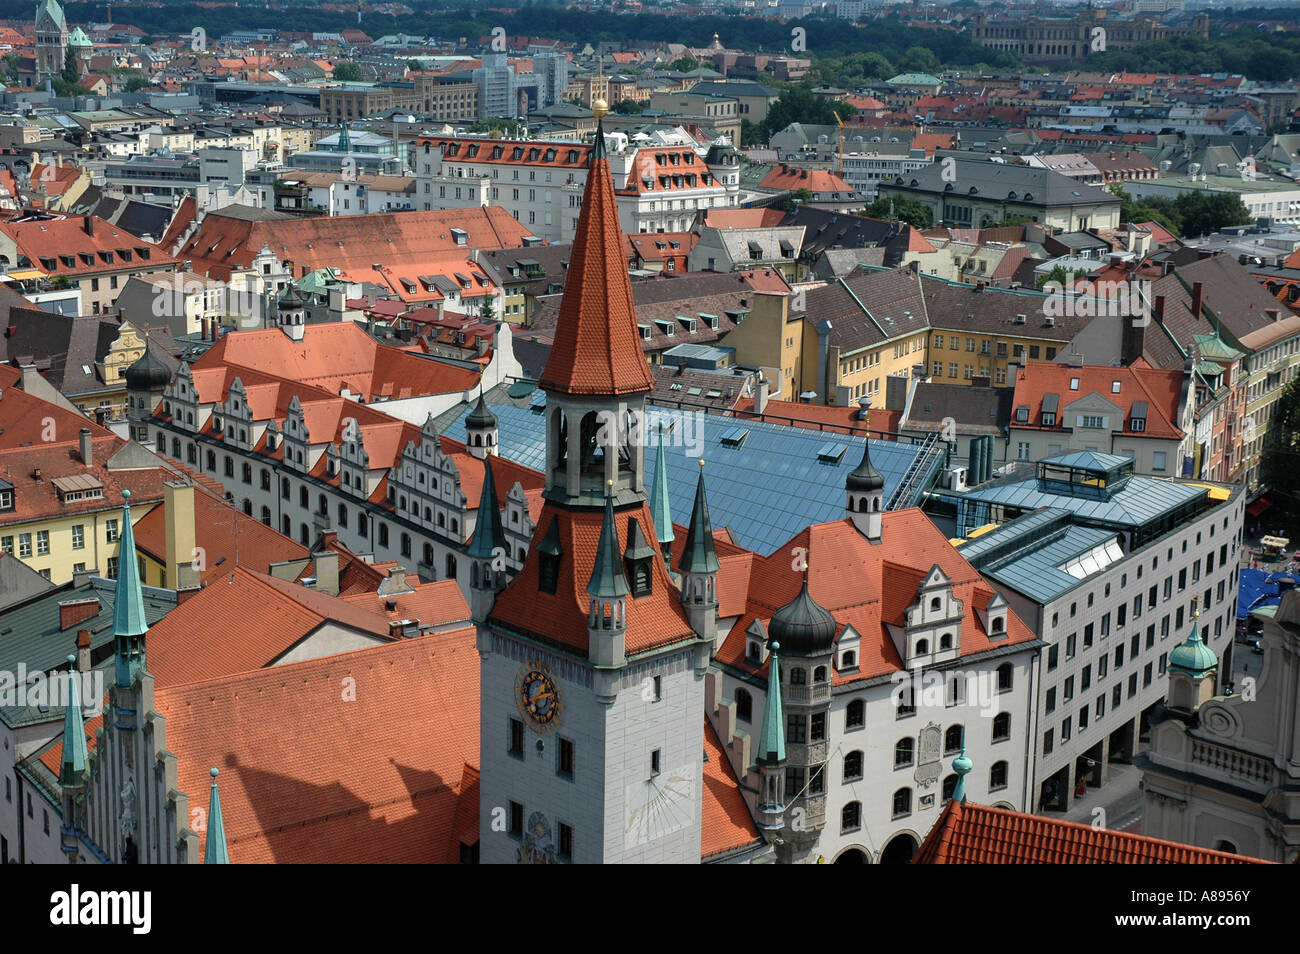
998, 623
303, 498
1004, 677
903, 752
230, 467
383, 534
744, 706
212, 461
934, 605
902, 802
819, 674
343, 516
451, 567
853, 765
428, 514
286, 525
442, 519
949, 786
285, 489
248, 506
851, 817
798, 676
945, 641
855, 714
849, 659
363, 525
304, 535
246, 473
406, 544
952, 739
428, 558
922, 646
1226, 846
266, 516
322, 505
998, 776
1002, 727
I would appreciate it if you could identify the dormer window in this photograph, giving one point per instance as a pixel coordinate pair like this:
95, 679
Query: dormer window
754, 652
1049, 419
6, 499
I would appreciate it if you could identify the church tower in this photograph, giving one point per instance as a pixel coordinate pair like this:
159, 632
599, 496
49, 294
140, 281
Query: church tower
865, 496
51, 40
592, 687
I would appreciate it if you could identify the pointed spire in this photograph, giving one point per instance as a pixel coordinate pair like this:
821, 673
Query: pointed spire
215, 851
771, 743
597, 348
129, 623
608, 581
489, 534
75, 760
962, 766
698, 555
659, 505
481, 417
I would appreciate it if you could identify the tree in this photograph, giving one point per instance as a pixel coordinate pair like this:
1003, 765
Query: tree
487, 312
1057, 275
799, 104
499, 127
912, 211
70, 73
347, 72
1279, 467
919, 59
751, 134
414, 66
798, 197
683, 64
628, 107
1201, 213
136, 83
1160, 211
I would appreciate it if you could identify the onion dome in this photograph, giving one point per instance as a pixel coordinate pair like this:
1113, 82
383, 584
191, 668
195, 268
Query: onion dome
481, 417
803, 627
865, 476
147, 374
1194, 656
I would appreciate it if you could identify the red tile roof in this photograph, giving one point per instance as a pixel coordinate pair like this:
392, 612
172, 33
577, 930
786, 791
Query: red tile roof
351, 243
867, 586
1159, 390
816, 181
432, 604
653, 620
743, 218
980, 835
597, 347
62, 246
335, 355
215, 522
196, 641
725, 823
313, 774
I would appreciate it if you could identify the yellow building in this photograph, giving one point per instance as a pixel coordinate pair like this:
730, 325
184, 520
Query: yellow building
61, 495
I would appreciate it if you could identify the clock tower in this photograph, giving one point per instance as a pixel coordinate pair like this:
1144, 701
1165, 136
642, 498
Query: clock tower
593, 663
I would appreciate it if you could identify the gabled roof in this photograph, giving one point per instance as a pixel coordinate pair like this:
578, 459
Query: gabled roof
979, 835
1143, 393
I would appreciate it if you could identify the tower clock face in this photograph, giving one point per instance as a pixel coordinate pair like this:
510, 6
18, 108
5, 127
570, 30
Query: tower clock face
538, 697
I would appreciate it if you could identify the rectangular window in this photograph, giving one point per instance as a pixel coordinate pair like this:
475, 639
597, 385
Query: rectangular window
1065, 730
110, 531
1052, 654
565, 850
1121, 615
1067, 692
817, 727
24, 545
42, 543
78, 537
1132, 685
1116, 696
1085, 679
1087, 635
1146, 675
1105, 626
1083, 718
565, 762
516, 820
516, 738
1047, 742
1100, 707
1134, 645
7, 544
1051, 699
1103, 662
796, 729
654, 762
1119, 656
1069, 645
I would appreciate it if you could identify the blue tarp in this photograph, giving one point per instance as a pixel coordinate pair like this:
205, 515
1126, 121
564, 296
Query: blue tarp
1256, 588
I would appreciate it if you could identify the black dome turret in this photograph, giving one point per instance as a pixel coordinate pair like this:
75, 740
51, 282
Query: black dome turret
147, 374
803, 627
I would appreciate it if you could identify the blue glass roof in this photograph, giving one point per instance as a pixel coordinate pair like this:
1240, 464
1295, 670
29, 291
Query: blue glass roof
1029, 554
765, 490
1137, 502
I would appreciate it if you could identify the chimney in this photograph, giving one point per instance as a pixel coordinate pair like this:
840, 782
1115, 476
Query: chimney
327, 571
1132, 340
89, 221
77, 611
83, 649
87, 448
180, 541
1160, 309
761, 395
1198, 298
